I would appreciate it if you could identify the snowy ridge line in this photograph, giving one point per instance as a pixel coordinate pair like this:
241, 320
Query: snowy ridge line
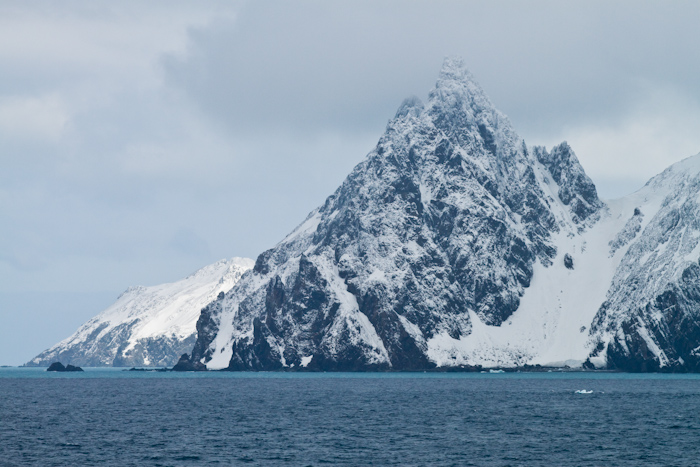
147, 326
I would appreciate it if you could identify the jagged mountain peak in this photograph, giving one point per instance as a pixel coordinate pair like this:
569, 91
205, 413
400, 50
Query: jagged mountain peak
437, 231
455, 78
454, 67
575, 189
410, 107
458, 101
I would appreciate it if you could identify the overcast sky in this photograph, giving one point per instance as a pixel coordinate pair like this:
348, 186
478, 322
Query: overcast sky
140, 141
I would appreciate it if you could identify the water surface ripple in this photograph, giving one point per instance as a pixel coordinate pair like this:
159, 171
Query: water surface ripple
114, 418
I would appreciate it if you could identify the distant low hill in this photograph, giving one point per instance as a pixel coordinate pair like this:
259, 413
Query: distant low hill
147, 326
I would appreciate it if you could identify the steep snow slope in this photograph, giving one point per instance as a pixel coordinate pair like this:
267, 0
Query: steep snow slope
424, 256
552, 326
147, 326
629, 300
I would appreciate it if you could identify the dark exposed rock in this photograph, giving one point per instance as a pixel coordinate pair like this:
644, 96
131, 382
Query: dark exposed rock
587, 365
186, 364
58, 366
650, 320
672, 320
568, 261
576, 189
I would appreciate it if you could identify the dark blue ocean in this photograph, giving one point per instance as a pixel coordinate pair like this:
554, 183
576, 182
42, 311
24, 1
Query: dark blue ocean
116, 418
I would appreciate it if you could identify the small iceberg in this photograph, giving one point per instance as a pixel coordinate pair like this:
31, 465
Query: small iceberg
583, 391
496, 371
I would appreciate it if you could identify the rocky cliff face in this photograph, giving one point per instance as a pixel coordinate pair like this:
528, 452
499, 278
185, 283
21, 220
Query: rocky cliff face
439, 230
147, 326
650, 320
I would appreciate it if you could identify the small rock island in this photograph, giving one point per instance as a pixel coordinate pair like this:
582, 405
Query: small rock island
58, 366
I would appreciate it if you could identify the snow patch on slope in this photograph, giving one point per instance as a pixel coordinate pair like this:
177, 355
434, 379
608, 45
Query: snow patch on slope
167, 311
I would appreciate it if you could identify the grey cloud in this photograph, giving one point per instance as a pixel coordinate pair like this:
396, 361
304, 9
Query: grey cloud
187, 242
313, 65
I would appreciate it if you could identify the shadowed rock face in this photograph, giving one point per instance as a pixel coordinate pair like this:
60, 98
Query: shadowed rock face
185, 364
448, 213
671, 323
662, 334
651, 318
576, 190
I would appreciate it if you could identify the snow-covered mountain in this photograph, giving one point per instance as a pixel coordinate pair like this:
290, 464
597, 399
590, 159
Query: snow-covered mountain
426, 255
650, 319
455, 244
147, 326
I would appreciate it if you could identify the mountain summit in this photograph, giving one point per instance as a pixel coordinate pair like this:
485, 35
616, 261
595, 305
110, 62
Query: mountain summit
436, 235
